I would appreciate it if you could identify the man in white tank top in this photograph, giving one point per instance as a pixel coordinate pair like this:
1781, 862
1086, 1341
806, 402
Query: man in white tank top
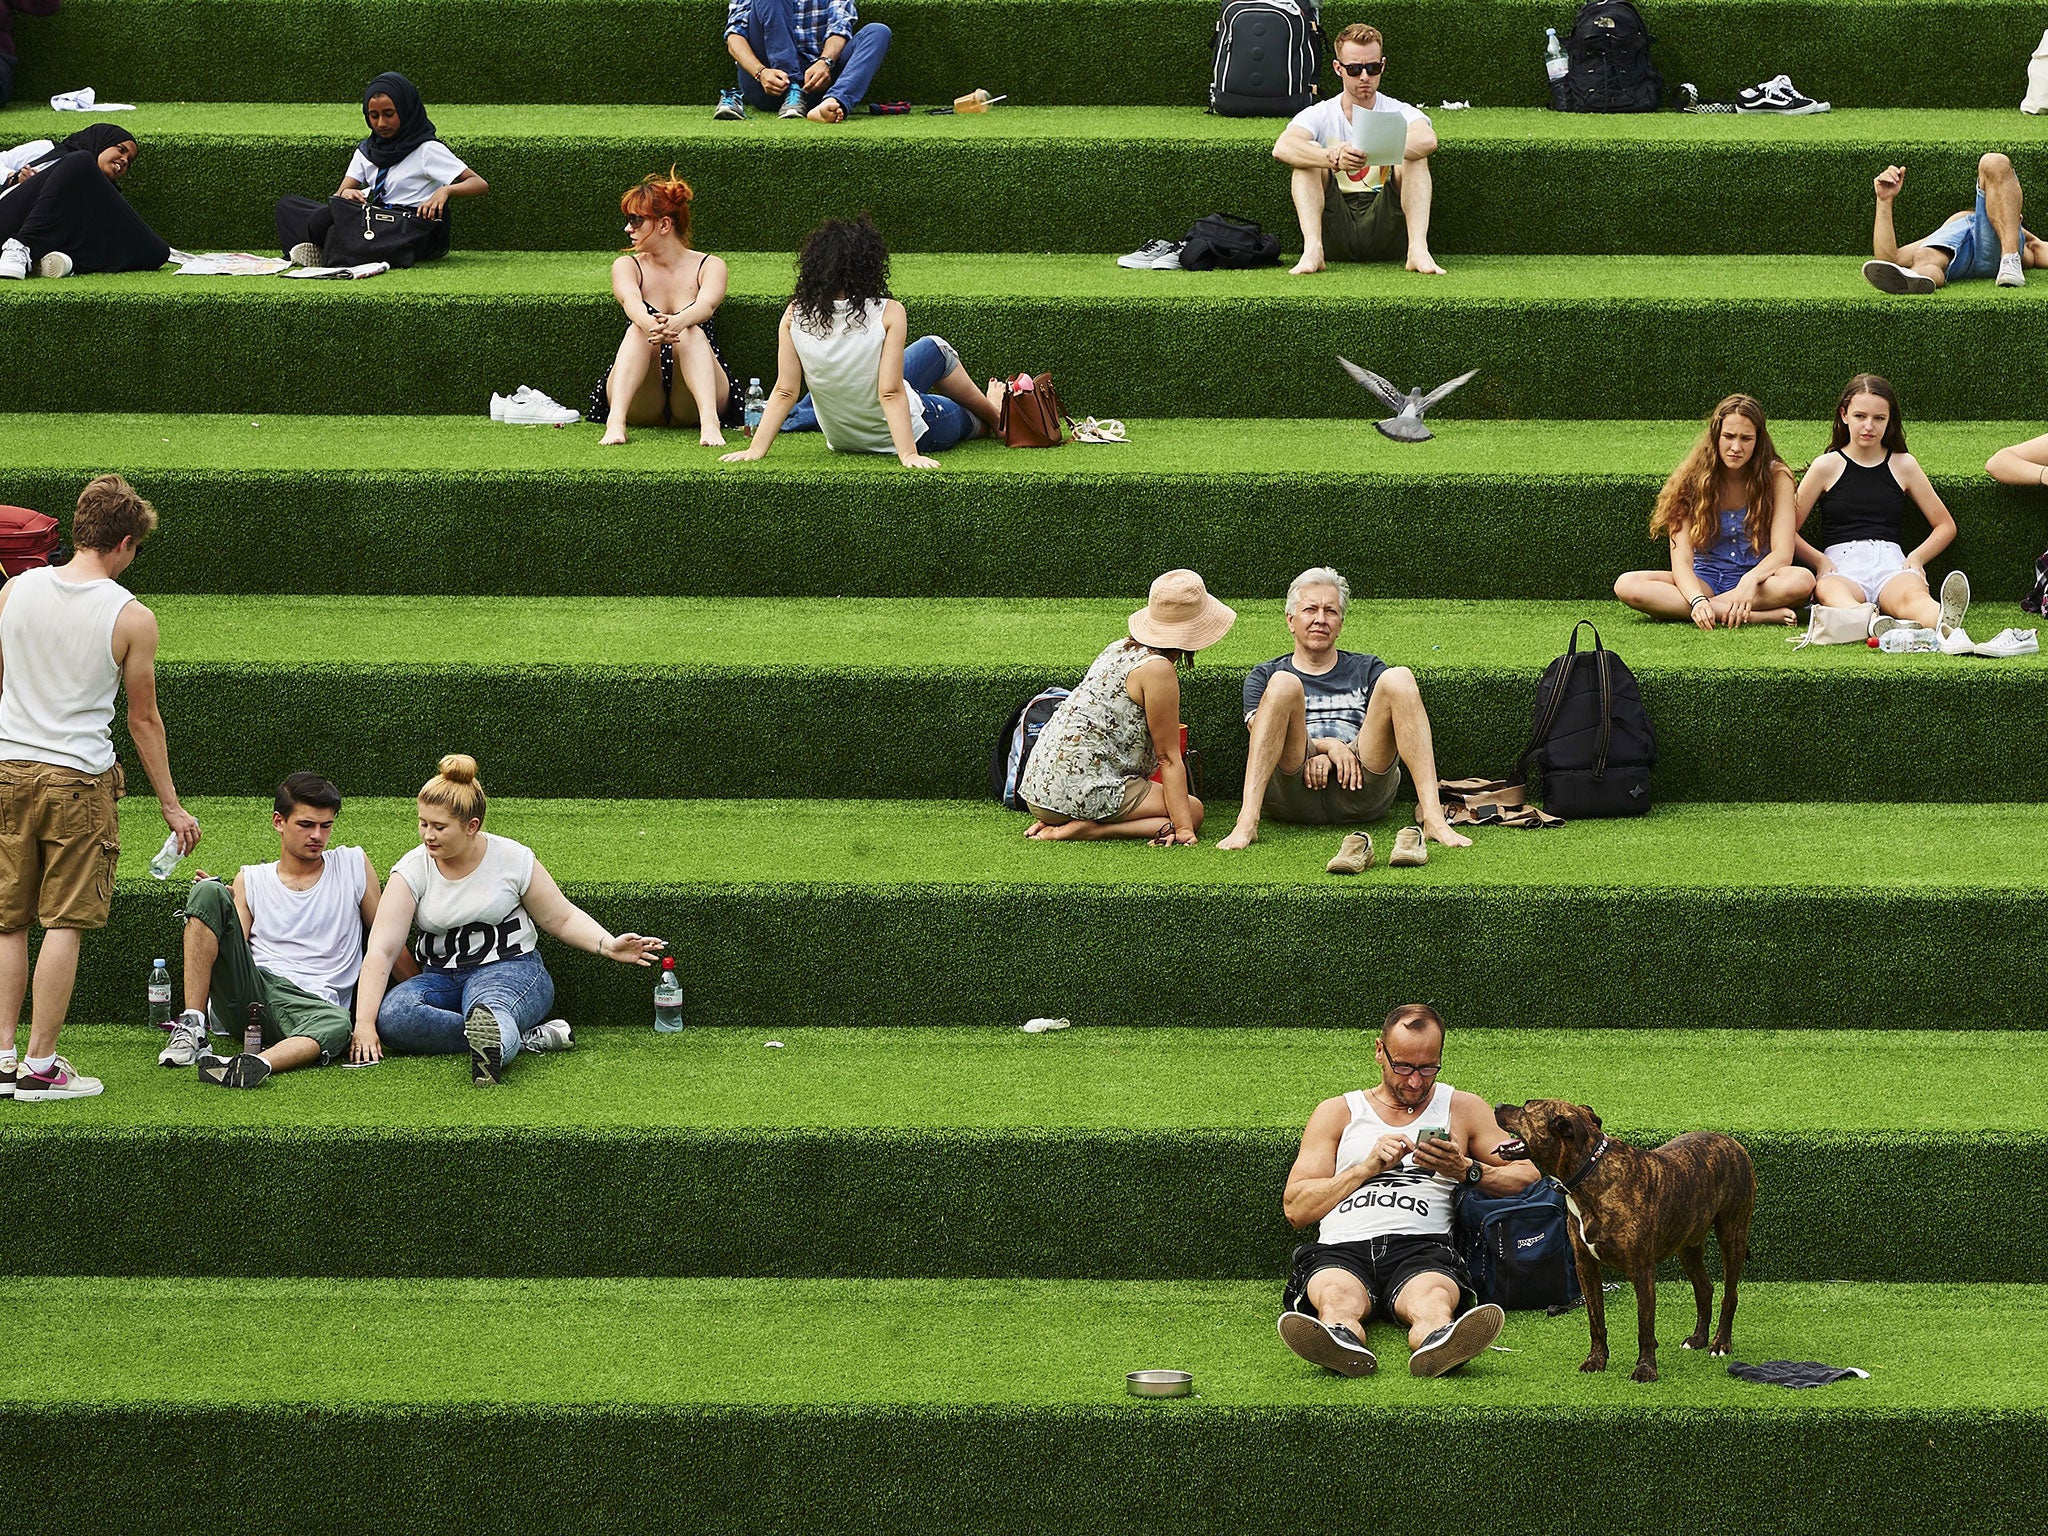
71, 637
1378, 1168
283, 947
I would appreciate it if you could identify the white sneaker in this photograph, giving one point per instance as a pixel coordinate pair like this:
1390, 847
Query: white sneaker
1955, 602
1154, 255
1957, 642
2035, 102
13, 259
305, 254
2011, 642
1778, 95
531, 408
53, 264
2011, 274
187, 1042
552, 1036
1890, 277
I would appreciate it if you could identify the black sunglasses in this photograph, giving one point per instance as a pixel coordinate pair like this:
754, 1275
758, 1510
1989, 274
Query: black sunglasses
1370, 67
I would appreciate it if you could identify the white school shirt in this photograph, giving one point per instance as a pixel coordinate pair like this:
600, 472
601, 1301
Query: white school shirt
476, 920
1329, 125
414, 179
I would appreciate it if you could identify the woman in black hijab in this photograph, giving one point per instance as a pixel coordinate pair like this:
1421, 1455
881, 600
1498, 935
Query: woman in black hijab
66, 214
401, 164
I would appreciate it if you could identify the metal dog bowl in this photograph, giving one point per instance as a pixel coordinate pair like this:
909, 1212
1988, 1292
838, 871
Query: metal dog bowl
1159, 1383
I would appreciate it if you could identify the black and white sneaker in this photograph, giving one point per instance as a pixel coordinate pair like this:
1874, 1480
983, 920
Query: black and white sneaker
1161, 255
1455, 1343
1777, 95
243, 1071
1334, 1349
486, 1048
1890, 277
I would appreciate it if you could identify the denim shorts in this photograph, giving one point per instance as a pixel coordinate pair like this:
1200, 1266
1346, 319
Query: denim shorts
1720, 575
1971, 242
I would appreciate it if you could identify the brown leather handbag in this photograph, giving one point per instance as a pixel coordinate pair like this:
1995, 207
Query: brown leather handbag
1031, 413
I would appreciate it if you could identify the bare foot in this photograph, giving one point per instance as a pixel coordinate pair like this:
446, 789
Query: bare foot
1066, 831
1437, 830
614, 434
827, 111
1239, 838
1034, 829
1311, 261
1422, 261
711, 437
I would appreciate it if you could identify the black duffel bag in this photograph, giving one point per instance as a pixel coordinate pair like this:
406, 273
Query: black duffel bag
1218, 240
365, 232
1592, 739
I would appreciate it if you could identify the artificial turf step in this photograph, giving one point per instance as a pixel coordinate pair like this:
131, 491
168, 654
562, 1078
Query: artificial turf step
904, 697
1514, 180
1650, 337
1528, 509
941, 912
1078, 51
992, 1406
939, 1146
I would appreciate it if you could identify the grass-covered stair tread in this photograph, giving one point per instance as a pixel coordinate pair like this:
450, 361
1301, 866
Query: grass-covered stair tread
1124, 174
1530, 509
1487, 51
927, 1407
902, 697
1651, 337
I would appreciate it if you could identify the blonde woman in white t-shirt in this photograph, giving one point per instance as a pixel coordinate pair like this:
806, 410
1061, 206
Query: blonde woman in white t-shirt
401, 164
475, 904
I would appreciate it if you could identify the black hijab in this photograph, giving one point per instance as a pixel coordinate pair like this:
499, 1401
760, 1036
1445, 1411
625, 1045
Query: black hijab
96, 138
414, 126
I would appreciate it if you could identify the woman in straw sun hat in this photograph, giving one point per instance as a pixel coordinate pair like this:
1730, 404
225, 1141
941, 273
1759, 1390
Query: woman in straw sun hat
1090, 774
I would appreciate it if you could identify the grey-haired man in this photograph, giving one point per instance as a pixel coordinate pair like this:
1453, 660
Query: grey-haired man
1330, 729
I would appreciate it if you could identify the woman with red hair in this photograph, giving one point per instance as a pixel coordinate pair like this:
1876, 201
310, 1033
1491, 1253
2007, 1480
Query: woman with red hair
669, 293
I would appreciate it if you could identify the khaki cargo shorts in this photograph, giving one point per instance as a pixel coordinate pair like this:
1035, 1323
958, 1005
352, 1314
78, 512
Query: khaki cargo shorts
59, 843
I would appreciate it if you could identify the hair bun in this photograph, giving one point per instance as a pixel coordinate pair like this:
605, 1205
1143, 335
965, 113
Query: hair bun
458, 768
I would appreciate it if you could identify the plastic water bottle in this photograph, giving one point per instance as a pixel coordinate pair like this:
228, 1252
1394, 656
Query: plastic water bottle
166, 858
1556, 66
668, 1000
756, 404
1906, 639
162, 1013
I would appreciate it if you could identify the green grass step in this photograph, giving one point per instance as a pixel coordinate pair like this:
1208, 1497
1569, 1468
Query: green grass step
1529, 509
904, 697
1073, 52
1652, 337
421, 1175
940, 912
992, 1406
1126, 174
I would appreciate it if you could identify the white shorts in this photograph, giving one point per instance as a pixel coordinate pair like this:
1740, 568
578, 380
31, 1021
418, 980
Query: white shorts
1870, 563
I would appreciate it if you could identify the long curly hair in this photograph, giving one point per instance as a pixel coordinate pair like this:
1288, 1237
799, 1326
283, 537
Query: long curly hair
842, 259
1692, 496
1869, 384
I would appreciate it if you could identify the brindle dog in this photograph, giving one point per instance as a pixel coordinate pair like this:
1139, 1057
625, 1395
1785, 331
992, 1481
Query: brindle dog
1631, 1209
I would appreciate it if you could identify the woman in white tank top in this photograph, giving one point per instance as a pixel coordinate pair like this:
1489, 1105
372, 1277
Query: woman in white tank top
869, 391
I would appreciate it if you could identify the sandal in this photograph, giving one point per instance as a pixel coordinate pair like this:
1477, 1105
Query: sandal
1091, 430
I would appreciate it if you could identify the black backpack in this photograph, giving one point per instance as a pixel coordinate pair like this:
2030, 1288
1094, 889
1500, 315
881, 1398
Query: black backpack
1592, 739
1608, 61
1269, 56
1019, 735
1218, 240
1517, 1249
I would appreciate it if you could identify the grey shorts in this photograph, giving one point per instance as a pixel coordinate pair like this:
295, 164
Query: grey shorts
1288, 798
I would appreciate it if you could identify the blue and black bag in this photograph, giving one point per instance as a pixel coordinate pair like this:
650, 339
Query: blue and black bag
1013, 746
1518, 1250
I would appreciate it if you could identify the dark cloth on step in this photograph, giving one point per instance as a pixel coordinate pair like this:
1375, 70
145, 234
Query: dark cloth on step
74, 207
414, 126
6, 78
312, 219
9, 9
1795, 1373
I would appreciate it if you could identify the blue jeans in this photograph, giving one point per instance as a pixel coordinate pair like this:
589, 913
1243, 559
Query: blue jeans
925, 361
1971, 242
773, 38
423, 1016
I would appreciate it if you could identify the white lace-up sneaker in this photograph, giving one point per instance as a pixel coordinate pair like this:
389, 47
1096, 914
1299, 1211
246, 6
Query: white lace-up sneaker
2012, 272
1149, 254
305, 254
1955, 602
530, 408
187, 1042
552, 1036
14, 260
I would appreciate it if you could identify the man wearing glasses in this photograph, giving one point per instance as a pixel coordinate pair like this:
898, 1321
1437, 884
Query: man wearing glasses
1378, 1168
1346, 211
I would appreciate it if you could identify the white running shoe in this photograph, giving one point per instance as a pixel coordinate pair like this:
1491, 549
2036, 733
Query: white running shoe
13, 259
2011, 272
1148, 255
305, 254
531, 408
187, 1042
53, 264
2011, 642
1890, 277
1957, 642
1955, 602
552, 1036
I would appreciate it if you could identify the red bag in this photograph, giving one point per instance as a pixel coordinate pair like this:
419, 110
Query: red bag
27, 540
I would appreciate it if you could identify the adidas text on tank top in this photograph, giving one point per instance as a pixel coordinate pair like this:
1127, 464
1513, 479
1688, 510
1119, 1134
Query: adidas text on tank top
1404, 1201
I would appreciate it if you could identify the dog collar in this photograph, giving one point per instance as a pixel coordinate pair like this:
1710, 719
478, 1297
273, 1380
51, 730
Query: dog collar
1597, 1153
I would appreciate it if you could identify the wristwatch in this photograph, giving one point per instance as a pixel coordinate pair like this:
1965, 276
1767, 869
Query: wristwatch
1474, 1172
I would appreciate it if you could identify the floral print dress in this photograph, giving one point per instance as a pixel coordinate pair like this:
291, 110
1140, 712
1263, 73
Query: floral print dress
1095, 743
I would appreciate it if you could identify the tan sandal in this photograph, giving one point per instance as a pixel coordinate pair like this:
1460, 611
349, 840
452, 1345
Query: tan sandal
1410, 849
1354, 855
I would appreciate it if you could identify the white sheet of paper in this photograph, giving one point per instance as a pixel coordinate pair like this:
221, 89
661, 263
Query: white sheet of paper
1382, 137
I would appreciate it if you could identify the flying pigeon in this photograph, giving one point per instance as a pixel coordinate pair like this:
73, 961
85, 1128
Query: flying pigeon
1406, 426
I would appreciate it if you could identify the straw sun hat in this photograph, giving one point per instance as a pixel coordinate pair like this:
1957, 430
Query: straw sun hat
1180, 615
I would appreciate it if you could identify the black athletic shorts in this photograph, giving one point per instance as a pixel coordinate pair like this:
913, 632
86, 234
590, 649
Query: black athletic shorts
1383, 1265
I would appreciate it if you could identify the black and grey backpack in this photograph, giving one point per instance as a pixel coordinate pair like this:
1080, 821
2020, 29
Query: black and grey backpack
1269, 57
1607, 59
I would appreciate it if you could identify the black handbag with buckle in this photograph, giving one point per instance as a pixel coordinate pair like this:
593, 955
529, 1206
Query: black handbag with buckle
365, 232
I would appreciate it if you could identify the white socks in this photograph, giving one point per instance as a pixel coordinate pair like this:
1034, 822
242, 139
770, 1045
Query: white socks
39, 1063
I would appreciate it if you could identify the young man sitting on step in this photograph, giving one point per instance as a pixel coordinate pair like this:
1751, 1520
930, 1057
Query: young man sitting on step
1330, 729
1985, 241
1378, 1169
800, 58
1348, 211
284, 944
